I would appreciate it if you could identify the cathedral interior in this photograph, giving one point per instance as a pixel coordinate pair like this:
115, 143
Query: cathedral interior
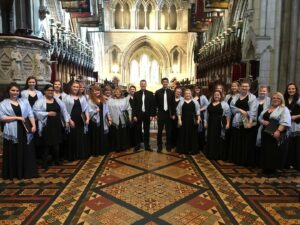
195, 42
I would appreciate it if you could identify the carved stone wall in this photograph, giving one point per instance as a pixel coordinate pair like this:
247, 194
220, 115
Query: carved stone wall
21, 57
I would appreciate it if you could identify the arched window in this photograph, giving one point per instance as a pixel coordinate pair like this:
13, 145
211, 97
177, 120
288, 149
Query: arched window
148, 16
141, 17
126, 16
176, 55
164, 19
173, 18
122, 16
118, 17
134, 71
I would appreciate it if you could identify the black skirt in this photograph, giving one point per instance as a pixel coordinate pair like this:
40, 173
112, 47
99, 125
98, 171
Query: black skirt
215, 144
76, 146
19, 160
187, 133
118, 138
51, 134
273, 156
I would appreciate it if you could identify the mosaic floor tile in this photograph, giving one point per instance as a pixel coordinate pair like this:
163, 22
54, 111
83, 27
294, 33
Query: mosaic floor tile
148, 160
149, 192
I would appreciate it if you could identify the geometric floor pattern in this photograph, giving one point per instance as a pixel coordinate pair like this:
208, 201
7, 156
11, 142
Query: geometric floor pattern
151, 188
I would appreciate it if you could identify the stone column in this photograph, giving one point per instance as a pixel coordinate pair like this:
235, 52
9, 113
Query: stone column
293, 41
113, 18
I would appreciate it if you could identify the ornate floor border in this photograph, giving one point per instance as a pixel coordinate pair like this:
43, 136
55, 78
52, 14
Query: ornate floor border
239, 208
65, 203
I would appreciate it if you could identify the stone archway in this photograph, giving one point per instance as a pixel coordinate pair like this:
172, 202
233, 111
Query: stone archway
149, 46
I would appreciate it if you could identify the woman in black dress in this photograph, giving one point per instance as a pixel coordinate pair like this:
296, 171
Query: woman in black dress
99, 122
19, 159
58, 92
263, 102
217, 120
118, 105
243, 136
132, 129
274, 146
30, 92
203, 102
77, 107
234, 91
188, 112
51, 114
174, 125
292, 101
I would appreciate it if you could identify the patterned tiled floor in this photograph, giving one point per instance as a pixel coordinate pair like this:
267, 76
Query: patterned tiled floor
153, 189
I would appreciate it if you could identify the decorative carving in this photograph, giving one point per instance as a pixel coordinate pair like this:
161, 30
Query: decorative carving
16, 61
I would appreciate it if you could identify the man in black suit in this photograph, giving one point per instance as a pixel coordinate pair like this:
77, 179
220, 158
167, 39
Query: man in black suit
143, 111
164, 103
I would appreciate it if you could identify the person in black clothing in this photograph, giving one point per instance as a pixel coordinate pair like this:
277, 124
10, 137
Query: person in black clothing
174, 125
292, 101
132, 127
99, 122
188, 112
164, 100
51, 113
19, 159
143, 112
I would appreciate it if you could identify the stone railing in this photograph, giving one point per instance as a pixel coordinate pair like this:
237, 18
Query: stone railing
23, 56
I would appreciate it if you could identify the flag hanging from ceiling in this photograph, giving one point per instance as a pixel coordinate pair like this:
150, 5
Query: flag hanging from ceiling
217, 4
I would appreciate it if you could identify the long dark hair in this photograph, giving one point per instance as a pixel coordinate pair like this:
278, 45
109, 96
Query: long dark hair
61, 85
31, 78
295, 97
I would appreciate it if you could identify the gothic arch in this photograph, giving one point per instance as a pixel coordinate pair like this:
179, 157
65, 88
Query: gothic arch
158, 49
249, 43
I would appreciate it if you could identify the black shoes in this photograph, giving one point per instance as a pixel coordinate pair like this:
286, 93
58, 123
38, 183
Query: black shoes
159, 149
147, 148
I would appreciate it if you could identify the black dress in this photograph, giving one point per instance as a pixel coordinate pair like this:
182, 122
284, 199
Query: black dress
119, 140
294, 140
201, 131
50, 134
257, 149
174, 126
272, 156
215, 144
97, 138
32, 100
242, 142
227, 136
19, 160
187, 133
76, 141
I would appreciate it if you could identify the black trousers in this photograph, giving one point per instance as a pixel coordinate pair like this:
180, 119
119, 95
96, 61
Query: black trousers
145, 121
164, 120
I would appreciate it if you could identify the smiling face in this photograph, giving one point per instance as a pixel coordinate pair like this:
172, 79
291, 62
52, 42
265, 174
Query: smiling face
188, 94
178, 93
49, 92
263, 92
57, 86
132, 90
234, 88
276, 100
75, 89
117, 93
31, 83
291, 90
165, 84
14, 92
197, 91
217, 96
245, 87
143, 85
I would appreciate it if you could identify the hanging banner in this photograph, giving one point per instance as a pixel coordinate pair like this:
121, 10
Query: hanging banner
217, 4
76, 6
199, 22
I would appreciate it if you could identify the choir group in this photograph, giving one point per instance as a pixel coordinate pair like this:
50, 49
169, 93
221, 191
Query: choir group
239, 127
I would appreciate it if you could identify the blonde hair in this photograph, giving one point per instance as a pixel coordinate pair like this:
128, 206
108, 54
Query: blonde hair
280, 96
